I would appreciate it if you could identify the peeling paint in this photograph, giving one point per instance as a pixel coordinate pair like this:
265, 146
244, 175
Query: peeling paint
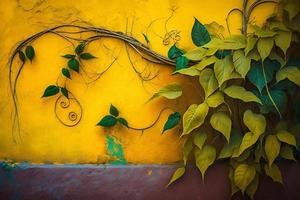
115, 150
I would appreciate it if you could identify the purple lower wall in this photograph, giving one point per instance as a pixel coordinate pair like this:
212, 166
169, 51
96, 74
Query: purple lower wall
135, 182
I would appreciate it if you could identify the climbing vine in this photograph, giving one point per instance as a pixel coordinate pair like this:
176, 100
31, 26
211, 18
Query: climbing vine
250, 115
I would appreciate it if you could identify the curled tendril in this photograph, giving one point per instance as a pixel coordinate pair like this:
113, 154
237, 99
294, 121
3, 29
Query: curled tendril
68, 111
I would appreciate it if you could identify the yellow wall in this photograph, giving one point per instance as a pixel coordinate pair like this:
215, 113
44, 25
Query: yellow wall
42, 138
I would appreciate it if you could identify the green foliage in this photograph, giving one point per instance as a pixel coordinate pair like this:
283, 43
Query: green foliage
200, 35
64, 91
113, 118
73, 64
113, 111
51, 90
66, 73
86, 56
174, 52
171, 91
108, 121
22, 56
173, 120
30, 53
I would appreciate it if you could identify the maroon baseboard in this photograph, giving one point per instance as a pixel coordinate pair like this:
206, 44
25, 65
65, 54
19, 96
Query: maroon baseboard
135, 182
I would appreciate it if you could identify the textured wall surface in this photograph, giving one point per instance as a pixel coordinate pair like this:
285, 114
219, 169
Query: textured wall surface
42, 139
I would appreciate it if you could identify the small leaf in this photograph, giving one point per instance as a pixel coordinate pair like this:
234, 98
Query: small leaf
283, 40
172, 91
252, 187
123, 121
251, 42
194, 117
68, 56
248, 140
29, 51
74, 64
233, 42
205, 157
208, 82
243, 175
173, 120
286, 152
205, 62
22, 56
79, 49
66, 73
222, 123
234, 143
113, 111
187, 148
274, 173
286, 137
107, 121
146, 38
50, 91
241, 63
262, 33
177, 174
223, 69
174, 52
215, 99
238, 92
272, 148
191, 71
199, 139
264, 47
199, 53
200, 35
64, 91
292, 73
181, 63
256, 123
86, 56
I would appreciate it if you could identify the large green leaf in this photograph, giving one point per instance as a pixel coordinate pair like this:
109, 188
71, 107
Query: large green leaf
286, 137
272, 148
233, 42
173, 120
205, 62
221, 122
208, 81
248, 140
177, 174
241, 63
199, 53
205, 157
262, 33
264, 47
215, 99
283, 40
243, 175
256, 123
238, 92
172, 91
292, 73
50, 91
194, 117
200, 35
223, 69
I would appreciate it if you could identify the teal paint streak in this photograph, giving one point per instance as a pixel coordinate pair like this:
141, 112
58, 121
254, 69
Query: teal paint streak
115, 150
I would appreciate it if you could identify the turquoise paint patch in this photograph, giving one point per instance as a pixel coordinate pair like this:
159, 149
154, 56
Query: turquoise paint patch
115, 150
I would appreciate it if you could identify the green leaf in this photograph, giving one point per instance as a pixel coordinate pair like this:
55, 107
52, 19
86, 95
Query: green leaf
205, 157
272, 148
238, 92
74, 64
241, 63
79, 49
286, 137
274, 173
194, 117
86, 56
251, 42
199, 139
107, 121
252, 187
64, 91
264, 47
191, 71
51, 90
233, 42
234, 143
113, 110
177, 174
215, 99
222, 123
248, 140
223, 69
123, 121
200, 35
208, 82
69, 56
292, 73
256, 123
146, 38
29, 51
292, 7
286, 152
66, 73
22, 56
243, 175
187, 148
199, 53
205, 62
173, 120
181, 63
283, 40
262, 33
174, 52
172, 91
